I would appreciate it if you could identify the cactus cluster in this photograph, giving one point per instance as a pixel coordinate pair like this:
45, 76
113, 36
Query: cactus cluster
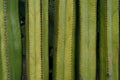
85, 43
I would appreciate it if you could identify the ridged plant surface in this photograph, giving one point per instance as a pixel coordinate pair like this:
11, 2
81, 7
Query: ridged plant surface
87, 39
63, 68
10, 43
109, 39
36, 39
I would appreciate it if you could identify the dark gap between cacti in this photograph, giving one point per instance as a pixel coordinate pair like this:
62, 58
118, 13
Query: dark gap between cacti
77, 76
97, 44
51, 37
22, 26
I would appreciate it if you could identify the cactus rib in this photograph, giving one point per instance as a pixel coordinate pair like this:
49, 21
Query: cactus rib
64, 40
44, 36
59, 41
36, 40
10, 41
69, 43
87, 38
109, 39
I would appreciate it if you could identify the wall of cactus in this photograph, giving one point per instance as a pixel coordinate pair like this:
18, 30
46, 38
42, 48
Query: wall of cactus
59, 40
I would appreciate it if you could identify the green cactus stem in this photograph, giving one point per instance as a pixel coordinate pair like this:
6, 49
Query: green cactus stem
87, 39
37, 39
10, 43
64, 40
109, 39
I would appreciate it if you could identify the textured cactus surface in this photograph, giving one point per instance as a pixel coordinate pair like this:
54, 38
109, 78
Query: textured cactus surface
10, 43
109, 39
61, 40
87, 39
37, 39
64, 40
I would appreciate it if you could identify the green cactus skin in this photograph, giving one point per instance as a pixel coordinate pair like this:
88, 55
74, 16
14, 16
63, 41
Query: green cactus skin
59, 41
10, 40
33, 34
109, 39
3, 71
14, 39
64, 40
37, 39
69, 43
87, 39
44, 36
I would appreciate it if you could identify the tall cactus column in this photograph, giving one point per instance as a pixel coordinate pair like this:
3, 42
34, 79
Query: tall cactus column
10, 41
87, 39
109, 39
59, 40
64, 40
37, 39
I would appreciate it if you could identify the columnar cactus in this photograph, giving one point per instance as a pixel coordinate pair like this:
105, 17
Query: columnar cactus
10, 41
87, 39
64, 40
37, 39
77, 25
109, 39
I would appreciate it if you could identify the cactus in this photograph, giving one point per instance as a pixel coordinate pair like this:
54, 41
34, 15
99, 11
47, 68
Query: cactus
64, 40
87, 39
77, 25
10, 43
109, 39
37, 39
59, 32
